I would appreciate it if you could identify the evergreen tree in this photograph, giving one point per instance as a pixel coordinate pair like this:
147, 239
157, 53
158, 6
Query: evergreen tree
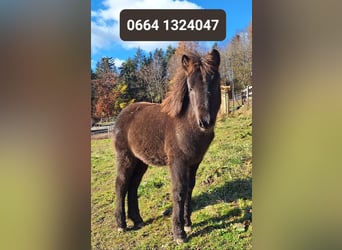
104, 66
139, 58
92, 74
128, 75
170, 51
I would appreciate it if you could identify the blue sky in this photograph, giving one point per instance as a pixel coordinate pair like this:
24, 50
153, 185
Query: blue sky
105, 38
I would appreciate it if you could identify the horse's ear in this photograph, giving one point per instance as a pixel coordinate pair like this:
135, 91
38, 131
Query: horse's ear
185, 62
215, 57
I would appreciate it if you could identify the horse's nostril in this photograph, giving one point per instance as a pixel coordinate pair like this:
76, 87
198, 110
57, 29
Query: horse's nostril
203, 123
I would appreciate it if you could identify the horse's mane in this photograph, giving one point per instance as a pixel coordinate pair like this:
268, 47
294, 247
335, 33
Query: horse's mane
176, 99
173, 102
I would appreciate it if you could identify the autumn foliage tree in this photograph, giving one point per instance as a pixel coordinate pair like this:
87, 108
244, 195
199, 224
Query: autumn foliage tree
108, 93
103, 95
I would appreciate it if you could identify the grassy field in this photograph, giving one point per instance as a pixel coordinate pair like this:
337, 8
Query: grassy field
222, 197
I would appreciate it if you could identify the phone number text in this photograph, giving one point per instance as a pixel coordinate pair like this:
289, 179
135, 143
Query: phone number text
172, 25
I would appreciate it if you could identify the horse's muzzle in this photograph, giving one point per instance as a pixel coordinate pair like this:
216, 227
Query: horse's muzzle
205, 123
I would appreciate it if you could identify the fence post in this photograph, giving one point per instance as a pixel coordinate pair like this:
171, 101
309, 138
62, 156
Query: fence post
249, 92
225, 99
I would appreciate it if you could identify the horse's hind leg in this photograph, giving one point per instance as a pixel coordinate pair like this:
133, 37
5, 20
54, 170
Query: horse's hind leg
133, 207
125, 167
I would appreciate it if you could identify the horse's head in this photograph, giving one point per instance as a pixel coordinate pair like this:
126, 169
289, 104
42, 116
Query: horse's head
203, 85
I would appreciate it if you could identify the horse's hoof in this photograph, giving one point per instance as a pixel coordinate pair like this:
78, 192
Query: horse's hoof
187, 229
180, 241
121, 229
139, 225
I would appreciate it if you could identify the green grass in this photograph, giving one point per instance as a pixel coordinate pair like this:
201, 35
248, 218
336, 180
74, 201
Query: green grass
222, 197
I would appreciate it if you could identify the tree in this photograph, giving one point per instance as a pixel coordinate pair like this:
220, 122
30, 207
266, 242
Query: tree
92, 74
103, 95
236, 61
241, 60
122, 98
139, 58
128, 75
249, 48
153, 76
105, 65
186, 46
108, 96
170, 51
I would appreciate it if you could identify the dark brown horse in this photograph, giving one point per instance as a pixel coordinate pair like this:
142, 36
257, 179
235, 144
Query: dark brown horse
176, 133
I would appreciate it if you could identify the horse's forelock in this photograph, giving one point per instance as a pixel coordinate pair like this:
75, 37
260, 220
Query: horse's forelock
210, 63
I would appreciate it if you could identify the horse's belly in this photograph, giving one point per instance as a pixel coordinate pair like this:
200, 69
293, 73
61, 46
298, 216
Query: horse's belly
149, 149
156, 160
150, 156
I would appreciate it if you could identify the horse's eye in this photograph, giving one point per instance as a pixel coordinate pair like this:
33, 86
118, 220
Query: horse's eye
190, 89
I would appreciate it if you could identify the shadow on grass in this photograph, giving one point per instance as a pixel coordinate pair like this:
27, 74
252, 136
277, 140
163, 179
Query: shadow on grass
229, 192
216, 223
147, 222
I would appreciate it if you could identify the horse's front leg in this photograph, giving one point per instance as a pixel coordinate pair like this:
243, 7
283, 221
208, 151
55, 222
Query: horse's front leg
187, 205
179, 178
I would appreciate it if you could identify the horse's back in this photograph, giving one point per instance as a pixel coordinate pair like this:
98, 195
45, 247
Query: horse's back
136, 113
140, 129
127, 118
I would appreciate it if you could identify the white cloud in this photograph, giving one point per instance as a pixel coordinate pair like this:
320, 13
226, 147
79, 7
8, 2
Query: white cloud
105, 22
115, 6
118, 62
103, 35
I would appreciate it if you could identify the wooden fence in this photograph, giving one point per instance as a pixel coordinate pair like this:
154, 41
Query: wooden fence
224, 99
230, 105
